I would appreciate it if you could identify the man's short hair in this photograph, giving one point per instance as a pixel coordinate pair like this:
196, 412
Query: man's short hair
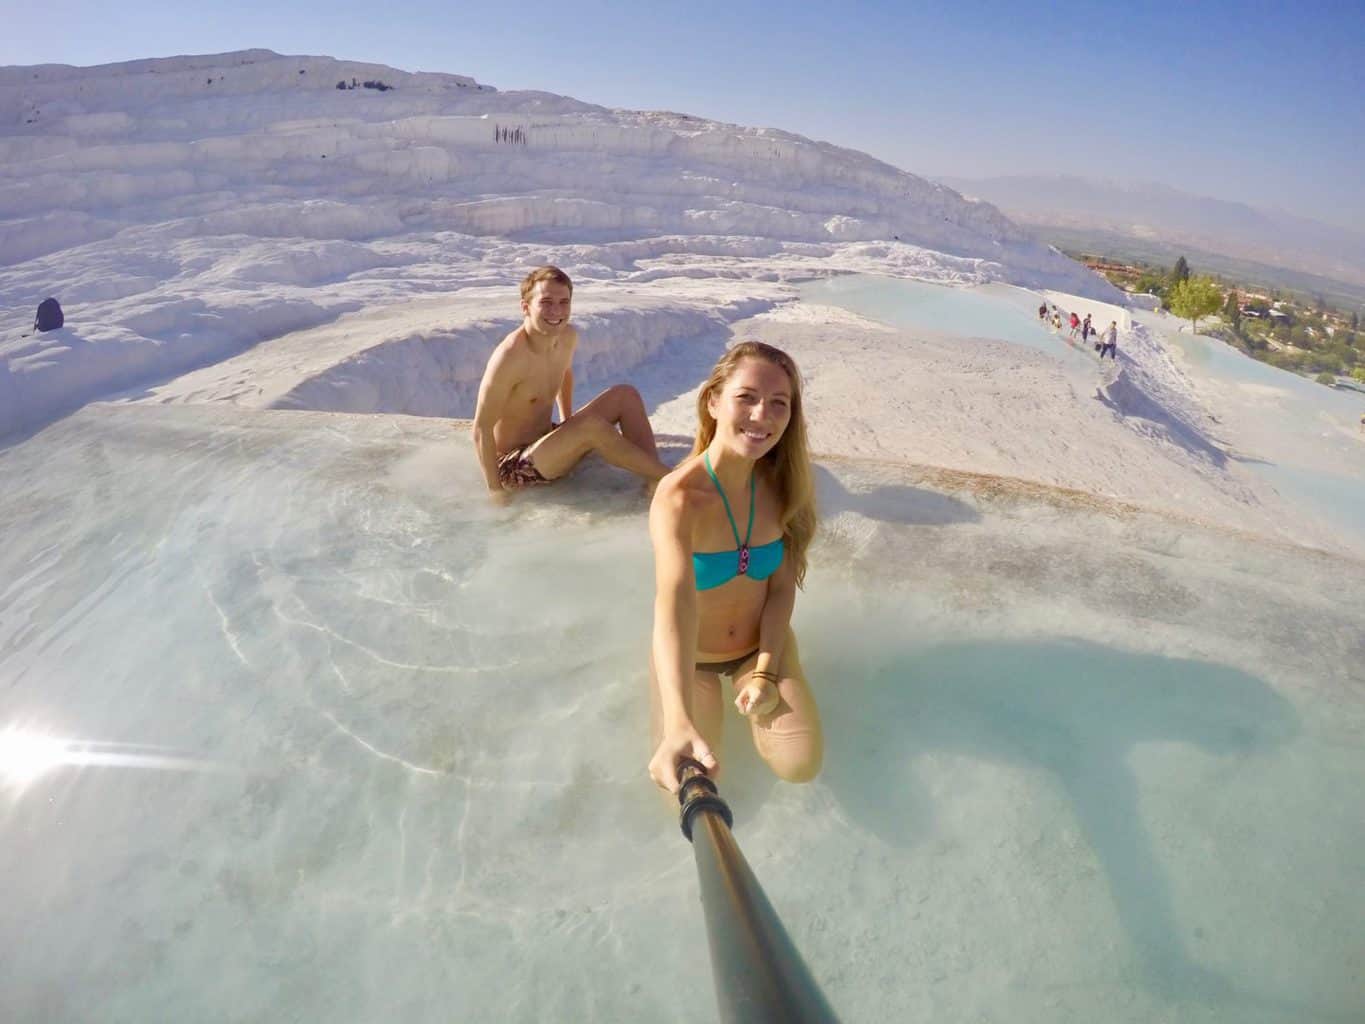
546, 273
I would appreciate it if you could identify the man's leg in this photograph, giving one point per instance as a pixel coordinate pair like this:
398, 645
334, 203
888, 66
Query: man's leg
593, 429
622, 405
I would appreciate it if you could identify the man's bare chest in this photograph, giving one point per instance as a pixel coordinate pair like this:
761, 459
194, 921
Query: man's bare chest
541, 378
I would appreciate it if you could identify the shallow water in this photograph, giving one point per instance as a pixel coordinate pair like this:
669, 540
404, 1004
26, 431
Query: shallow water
989, 311
1319, 457
1338, 499
1079, 767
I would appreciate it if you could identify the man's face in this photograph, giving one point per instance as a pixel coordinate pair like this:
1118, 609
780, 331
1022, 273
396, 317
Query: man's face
548, 307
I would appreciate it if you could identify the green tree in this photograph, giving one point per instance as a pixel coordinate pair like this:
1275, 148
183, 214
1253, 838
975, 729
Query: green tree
1327, 378
1195, 297
1359, 374
1180, 272
1232, 312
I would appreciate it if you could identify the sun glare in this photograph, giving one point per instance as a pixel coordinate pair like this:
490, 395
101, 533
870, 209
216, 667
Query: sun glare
24, 756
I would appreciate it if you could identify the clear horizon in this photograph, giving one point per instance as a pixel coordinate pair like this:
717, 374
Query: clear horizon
1240, 102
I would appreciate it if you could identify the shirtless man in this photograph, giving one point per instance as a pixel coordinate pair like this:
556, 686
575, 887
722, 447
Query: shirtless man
531, 369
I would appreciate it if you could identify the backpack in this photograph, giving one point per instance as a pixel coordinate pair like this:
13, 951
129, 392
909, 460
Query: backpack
49, 316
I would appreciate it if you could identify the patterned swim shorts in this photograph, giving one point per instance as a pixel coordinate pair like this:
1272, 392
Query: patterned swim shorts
515, 468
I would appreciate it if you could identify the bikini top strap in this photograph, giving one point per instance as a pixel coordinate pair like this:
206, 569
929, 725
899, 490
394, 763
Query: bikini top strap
749, 530
734, 527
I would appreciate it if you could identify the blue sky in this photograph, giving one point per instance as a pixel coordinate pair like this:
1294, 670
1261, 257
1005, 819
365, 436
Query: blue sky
1253, 102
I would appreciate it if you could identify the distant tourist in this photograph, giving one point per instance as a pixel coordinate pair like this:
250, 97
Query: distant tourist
1086, 329
531, 370
1075, 323
1042, 311
1056, 320
1109, 341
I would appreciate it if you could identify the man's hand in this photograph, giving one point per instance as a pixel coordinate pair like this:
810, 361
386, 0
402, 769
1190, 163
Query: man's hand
682, 741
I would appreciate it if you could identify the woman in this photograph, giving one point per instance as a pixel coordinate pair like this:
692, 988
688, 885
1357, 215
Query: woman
723, 598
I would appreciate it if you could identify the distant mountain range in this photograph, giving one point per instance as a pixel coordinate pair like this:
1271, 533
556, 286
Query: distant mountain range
1163, 216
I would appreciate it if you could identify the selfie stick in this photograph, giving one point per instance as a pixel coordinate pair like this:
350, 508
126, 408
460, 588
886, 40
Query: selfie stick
760, 978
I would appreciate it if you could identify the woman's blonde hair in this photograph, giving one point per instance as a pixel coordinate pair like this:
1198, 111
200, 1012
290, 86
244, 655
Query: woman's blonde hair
789, 460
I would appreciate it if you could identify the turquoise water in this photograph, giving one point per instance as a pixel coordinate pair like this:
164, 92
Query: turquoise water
418, 725
1225, 362
990, 311
1010, 314
1338, 499
1159, 792
1298, 411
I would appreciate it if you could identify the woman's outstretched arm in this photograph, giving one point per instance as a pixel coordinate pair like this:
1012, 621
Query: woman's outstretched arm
674, 644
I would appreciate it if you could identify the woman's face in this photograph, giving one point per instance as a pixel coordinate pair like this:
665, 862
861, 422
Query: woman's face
752, 408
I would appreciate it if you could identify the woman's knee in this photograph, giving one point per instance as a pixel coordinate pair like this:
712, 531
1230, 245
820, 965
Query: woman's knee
795, 752
796, 765
803, 770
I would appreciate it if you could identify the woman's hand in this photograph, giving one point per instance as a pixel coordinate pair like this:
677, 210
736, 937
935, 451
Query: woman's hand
680, 741
756, 697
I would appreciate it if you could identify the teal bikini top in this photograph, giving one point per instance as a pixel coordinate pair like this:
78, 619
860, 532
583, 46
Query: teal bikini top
714, 568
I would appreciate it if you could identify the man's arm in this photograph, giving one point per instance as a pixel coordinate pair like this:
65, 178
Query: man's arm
499, 377
565, 396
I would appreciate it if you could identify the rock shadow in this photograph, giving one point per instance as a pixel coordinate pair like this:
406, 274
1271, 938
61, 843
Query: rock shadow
1125, 397
891, 503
